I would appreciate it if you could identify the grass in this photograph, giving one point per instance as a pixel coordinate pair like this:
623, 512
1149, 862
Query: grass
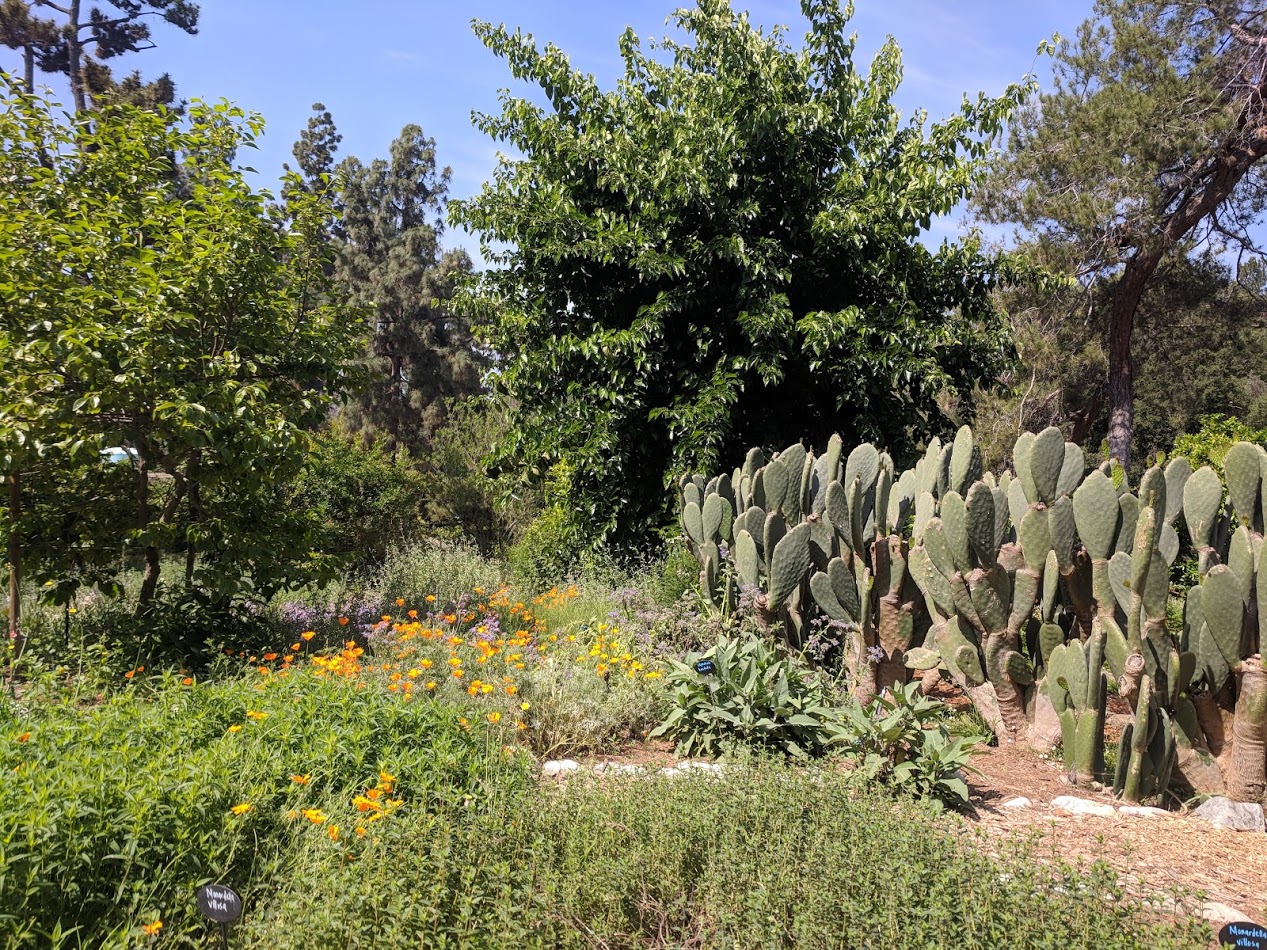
773, 856
111, 813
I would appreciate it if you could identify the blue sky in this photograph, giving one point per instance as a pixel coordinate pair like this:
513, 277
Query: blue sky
380, 64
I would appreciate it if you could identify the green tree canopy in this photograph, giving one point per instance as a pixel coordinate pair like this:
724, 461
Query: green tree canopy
153, 304
725, 250
1147, 146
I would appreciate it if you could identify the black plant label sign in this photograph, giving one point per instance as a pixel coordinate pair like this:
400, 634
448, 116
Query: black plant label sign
1244, 934
704, 667
219, 903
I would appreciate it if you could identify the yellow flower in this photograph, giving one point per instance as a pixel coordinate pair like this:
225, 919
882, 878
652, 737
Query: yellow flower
241, 809
431, 684
257, 716
333, 832
300, 779
364, 804
430, 598
360, 831
494, 717
235, 728
525, 706
151, 930
307, 635
315, 815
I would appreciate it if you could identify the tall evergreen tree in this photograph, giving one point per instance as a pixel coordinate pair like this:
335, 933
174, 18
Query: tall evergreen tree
1147, 147
314, 153
77, 44
390, 258
30, 35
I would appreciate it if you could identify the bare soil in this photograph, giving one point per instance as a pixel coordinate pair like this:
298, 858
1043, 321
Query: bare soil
1152, 855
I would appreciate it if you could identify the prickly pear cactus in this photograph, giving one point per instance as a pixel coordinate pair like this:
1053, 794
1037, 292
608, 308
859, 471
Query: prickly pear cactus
708, 517
982, 579
1147, 753
1223, 617
865, 584
1078, 689
811, 535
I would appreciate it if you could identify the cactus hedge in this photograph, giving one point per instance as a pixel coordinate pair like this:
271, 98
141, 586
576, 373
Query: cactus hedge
1031, 591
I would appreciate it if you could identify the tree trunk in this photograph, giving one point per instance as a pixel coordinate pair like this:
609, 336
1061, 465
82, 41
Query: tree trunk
1247, 772
75, 56
28, 72
1121, 382
153, 558
16, 640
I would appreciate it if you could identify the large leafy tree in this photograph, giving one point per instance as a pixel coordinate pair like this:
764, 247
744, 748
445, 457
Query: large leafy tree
726, 249
75, 39
390, 259
159, 339
1147, 147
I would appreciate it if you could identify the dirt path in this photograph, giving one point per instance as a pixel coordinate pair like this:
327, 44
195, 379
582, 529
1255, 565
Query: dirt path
1153, 855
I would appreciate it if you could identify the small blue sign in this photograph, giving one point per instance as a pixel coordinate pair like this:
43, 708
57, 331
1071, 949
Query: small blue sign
704, 667
1244, 934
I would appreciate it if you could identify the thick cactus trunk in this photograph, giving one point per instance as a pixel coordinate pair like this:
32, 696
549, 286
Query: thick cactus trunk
894, 617
1247, 771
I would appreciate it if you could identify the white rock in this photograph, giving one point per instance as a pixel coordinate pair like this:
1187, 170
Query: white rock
711, 767
1072, 805
1220, 914
557, 767
670, 772
618, 768
1225, 813
1018, 802
1143, 811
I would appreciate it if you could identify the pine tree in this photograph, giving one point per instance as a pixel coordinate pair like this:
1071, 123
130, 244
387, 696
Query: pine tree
77, 45
314, 153
1147, 148
390, 258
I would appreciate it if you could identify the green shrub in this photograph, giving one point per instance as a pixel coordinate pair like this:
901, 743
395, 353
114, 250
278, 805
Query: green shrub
463, 498
678, 573
366, 499
901, 739
1217, 433
752, 694
553, 545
